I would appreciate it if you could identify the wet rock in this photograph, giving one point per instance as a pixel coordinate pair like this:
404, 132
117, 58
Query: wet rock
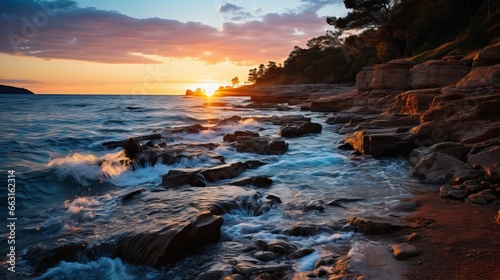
339, 201
232, 137
280, 247
132, 148
315, 205
437, 167
275, 271
274, 198
486, 157
404, 251
261, 145
116, 144
326, 261
133, 194
456, 150
493, 171
372, 227
303, 230
301, 253
303, 129
254, 164
380, 144
192, 129
265, 256
234, 277
200, 177
476, 199
473, 186
259, 181
413, 237
405, 206
333, 103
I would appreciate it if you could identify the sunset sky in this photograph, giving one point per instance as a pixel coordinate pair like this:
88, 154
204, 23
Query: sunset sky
149, 46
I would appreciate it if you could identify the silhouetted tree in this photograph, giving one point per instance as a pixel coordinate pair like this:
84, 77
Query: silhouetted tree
235, 81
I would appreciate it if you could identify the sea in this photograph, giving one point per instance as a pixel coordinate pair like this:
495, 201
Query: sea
52, 146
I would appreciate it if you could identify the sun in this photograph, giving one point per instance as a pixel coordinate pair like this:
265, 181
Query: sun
207, 88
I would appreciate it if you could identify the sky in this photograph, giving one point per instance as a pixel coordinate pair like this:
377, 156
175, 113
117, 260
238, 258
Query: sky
149, 46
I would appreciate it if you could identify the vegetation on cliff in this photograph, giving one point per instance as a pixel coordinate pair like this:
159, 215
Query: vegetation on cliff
13, 90
376, 31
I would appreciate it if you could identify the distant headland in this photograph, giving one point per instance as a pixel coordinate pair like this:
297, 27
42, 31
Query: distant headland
14, 90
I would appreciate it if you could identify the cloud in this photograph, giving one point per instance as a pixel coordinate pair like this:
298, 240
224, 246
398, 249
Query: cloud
89, 34
229, 8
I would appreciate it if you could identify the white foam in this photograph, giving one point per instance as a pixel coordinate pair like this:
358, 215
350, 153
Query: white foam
307, 263
87, 167
103, 268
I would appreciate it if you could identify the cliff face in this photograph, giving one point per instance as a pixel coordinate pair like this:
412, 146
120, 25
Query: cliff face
13, 90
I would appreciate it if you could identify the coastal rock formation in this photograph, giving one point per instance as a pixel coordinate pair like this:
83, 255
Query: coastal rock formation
394, 74
364, 78
488, 56
232, 137
13, 90
481, 77
439, 73
333, 103
439, 167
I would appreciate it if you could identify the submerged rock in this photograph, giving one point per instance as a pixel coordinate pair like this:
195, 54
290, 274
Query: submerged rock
299, 130
372, 227
232, 137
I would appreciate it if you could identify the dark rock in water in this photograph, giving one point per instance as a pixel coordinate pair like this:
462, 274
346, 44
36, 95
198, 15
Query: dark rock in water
165, 228
280, 247
345, 146
132, 195
259, 181
132, 148
252, 204
116, 144
274, 198
13, 90
303, 230
301, 253
193, 129
265, 256
299, 130
261, 145
338, 201
232, 137
404, 251
315, 205
372, 227
254, 164
381, 144
200, 177
273, 271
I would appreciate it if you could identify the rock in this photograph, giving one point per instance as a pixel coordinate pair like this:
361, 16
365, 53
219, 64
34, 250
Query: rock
380, 144
438, 167
439, 73
498, 217
338, 201
394, 74
200, 177
413, 237
488, 156
259, 181
414, 102
261, 145
405, 206
487, 76
193, 129
456, 150
116, 144
488, 195
364, 78
315, 205
274, 198
447, 190
301, 253
232, 137
333, 103
294, 130
404, 251
234, 277
372, 227
275, 271
265, 256
473, 186
303, 230
488, 56
477, 199
280, 247
493, 172
132, 148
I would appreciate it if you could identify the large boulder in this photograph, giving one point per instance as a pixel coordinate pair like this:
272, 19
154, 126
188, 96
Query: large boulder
489, 160
231, 137
438, 73
380, 144
364, 78
394, 74
201, 177
439, 167
261, 145
414, 102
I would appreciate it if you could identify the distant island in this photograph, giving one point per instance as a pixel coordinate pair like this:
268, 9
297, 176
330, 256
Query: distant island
14, 90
